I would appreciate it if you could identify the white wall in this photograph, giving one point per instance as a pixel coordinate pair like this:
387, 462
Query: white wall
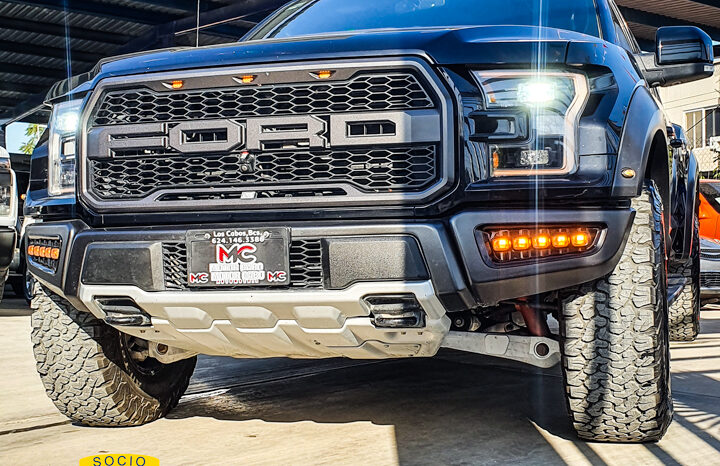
694, 96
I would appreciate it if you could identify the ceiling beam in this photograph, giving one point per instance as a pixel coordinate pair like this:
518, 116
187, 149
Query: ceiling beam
59, 30
715, 3
211, 22
38, 71
8, 102
26, 48
24, 88
184, 5
656, 21
102, 10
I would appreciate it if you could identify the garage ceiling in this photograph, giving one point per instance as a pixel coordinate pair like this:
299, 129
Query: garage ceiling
34, 45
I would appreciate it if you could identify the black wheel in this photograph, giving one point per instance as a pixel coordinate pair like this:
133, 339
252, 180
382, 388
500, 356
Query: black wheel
96, 375
684, 312
615, 348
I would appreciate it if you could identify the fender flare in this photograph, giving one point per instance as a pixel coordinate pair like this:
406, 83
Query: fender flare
691, 206
644, 119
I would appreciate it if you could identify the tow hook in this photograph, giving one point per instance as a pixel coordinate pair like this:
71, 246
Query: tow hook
167, 354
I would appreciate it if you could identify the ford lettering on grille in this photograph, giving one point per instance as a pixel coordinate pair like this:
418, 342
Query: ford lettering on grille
268, 133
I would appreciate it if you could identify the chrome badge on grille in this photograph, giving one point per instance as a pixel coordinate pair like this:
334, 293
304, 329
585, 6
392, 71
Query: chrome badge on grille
267, 133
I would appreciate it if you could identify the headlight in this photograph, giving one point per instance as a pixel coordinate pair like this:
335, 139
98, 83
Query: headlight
6, 193
531, 120
62, 147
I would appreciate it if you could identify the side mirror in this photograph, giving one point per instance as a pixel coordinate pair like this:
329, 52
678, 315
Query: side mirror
682, 54
681, 45
677, 143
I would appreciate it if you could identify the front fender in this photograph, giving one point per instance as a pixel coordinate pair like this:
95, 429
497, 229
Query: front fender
644, 120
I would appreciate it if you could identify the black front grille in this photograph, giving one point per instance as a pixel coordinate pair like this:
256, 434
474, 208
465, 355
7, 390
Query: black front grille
710, 279
395, 91
305, 265
392, 169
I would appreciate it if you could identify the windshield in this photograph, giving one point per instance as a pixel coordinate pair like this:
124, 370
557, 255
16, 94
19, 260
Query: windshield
306, 17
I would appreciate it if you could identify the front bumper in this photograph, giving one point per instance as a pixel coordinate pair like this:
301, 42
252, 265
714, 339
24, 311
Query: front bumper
709, 279
300, 324
440, 263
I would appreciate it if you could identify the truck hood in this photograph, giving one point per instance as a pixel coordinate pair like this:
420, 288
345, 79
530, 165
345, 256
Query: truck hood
482, 45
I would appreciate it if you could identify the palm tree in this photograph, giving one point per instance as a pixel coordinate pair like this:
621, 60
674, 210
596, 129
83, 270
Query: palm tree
33, 132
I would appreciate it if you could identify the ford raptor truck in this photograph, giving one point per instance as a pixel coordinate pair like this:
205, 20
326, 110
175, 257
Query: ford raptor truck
373, 180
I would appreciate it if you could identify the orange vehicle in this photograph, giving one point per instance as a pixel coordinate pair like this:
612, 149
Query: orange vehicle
710, 208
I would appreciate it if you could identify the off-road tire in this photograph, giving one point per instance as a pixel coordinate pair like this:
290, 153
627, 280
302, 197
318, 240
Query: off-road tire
87, 372
684, 312
614, 340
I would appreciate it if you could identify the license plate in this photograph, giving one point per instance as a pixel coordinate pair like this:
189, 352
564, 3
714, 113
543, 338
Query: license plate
256, 257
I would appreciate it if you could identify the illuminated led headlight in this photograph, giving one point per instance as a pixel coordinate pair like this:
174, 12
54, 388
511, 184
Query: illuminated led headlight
62, 147
551, 104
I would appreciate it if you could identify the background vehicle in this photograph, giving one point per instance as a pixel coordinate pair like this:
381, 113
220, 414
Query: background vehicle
709, 270
18, 278
710, 208
8, 216
411, 176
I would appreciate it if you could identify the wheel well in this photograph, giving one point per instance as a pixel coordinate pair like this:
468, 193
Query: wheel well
658, 170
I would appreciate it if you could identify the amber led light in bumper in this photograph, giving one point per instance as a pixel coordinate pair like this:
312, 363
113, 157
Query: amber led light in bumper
537, 242
561, 241
44, 252
502, 244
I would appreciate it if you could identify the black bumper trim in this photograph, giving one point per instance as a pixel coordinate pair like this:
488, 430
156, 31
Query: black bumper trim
81, 243
492, 283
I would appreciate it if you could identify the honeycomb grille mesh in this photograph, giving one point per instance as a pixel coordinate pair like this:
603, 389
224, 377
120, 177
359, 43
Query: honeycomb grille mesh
305, 265
409, 168
362, 93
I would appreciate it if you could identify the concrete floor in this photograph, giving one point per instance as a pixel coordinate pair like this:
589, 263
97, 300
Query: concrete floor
453, 409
